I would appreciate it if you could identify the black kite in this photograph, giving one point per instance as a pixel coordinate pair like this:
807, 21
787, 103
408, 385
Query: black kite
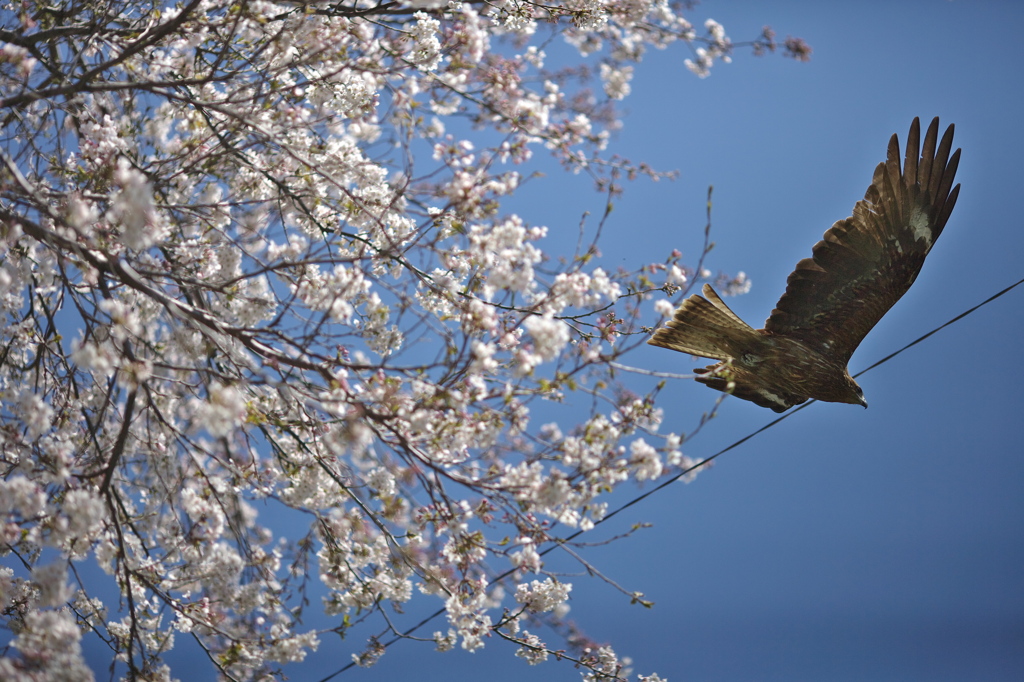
863, 265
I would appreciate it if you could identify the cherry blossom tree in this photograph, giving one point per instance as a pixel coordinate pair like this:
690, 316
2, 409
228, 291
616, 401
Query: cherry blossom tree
255, 260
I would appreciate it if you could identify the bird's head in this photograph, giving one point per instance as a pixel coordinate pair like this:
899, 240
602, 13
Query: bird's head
853, 393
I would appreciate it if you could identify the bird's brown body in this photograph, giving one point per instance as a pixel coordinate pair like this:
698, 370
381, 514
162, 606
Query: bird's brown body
863, 265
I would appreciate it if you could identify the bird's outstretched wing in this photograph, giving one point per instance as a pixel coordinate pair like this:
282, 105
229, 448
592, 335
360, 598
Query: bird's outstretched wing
865, 263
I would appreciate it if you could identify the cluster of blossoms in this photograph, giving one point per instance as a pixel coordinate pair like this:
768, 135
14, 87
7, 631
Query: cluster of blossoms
251, 261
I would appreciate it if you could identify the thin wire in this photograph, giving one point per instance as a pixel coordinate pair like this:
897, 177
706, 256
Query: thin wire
772, 423
690, 469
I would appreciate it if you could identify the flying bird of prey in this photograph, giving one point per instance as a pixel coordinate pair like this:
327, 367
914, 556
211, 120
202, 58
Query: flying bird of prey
862, 266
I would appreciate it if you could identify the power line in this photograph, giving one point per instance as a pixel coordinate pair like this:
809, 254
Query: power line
789, 414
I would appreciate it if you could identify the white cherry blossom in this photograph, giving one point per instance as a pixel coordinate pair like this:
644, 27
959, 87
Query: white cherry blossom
273, 326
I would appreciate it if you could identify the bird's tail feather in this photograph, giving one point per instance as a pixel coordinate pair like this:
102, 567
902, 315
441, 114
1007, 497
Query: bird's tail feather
705, 327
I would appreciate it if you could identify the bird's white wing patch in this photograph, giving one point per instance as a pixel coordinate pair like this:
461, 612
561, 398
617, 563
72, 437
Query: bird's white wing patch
771, 397
922, 227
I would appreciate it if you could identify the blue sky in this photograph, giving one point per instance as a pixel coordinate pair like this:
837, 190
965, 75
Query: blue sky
842, 544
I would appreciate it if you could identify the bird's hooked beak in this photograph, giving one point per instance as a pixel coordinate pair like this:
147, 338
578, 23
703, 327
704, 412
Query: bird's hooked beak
859, 395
